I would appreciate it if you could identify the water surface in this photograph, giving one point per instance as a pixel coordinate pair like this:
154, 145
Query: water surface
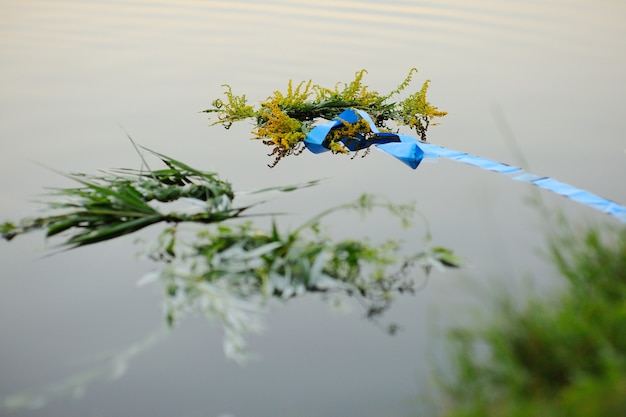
538, 84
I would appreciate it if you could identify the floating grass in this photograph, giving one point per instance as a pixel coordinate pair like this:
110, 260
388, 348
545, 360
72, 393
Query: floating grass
123, 201
226, 268
246, 267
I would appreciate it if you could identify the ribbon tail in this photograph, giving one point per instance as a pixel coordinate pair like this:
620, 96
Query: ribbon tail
584, 197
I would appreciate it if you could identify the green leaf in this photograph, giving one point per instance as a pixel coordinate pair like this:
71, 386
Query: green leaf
446, 257
60, 226
107, 233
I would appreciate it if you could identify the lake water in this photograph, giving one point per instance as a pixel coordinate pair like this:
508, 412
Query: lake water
535, 83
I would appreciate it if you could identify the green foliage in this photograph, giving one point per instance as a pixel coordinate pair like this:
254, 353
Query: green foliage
284, 119
595, 265
233, 110
562, 358
229, 270
417, 113
119, 203
249, 266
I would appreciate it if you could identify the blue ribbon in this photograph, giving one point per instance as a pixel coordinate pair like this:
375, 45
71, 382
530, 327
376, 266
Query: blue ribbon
403, 147
406, 149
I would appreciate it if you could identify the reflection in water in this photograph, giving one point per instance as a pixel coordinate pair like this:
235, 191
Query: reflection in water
73, 71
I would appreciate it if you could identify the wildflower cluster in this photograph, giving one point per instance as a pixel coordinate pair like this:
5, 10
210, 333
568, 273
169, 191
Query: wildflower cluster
234, 109
279, 130
351, 133
417, 113
284, 119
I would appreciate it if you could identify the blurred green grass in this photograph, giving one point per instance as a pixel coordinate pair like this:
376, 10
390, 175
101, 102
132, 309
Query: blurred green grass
555, 357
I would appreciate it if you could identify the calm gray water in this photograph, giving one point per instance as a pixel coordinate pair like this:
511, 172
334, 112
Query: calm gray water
535, 83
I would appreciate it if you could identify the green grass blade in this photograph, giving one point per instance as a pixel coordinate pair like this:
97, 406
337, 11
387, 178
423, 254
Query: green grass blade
107, 233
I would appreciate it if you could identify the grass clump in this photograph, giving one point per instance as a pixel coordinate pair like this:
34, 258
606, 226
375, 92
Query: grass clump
284, 119
563, 357
249, 266
121, 202
225, 267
